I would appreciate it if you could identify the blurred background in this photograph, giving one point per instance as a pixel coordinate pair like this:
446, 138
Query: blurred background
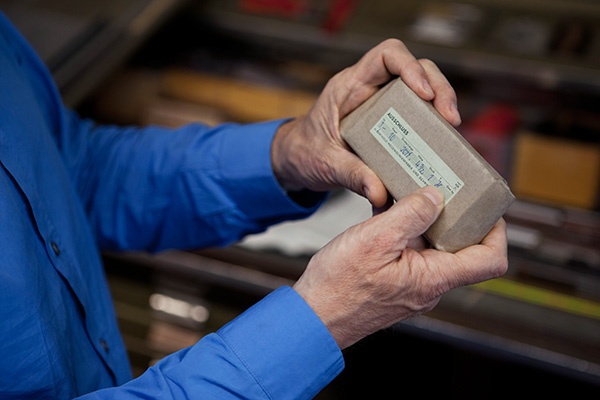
527, 74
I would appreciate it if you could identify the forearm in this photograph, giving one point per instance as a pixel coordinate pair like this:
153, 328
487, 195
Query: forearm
153, 188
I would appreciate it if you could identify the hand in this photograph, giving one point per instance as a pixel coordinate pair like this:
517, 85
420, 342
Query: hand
373, 275
309, 153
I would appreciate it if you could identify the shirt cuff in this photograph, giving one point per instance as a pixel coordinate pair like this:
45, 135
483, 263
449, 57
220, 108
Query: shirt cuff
281, 339
248, 177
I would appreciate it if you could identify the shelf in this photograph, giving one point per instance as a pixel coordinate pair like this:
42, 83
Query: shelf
375, 21
489, 320
485, 320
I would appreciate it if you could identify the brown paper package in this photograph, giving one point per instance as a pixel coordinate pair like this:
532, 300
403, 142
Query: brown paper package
484, 196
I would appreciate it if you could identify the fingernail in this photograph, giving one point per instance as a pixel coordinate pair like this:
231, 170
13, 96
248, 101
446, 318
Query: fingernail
433, 194
427, 87
454, 108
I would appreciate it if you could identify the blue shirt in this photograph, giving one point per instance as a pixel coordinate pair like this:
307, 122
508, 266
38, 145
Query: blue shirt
69, 188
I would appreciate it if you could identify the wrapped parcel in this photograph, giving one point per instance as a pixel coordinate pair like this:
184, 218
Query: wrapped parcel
409, 145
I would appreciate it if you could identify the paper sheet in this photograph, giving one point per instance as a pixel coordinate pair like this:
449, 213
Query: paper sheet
306, 237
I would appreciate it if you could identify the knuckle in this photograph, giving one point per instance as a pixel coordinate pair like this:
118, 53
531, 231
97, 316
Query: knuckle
427, 63
325, 166
355, 175
384, 241
381, 238
391, 46
422, 304
393, 43
419, 210
423, 282
430, 304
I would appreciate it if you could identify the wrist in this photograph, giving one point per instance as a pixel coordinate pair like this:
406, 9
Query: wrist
332, 315
284, 160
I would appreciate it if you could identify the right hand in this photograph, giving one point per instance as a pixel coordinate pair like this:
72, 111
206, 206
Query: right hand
309, 152
373, 275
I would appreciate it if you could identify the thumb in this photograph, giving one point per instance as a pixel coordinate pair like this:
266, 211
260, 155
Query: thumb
418, 211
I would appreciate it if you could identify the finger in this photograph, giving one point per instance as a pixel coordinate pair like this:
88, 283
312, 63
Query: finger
388, 204
483, 261
418, 244
415, 213
390, 232
445, 96
389, 59
399, 61
496, 239
352, 173
495, 242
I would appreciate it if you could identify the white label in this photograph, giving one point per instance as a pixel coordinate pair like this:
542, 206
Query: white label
414, 155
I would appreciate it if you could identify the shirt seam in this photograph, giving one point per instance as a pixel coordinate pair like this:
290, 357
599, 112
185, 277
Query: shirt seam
247, 366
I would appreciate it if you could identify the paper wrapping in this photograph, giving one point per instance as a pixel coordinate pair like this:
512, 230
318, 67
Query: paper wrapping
408, 144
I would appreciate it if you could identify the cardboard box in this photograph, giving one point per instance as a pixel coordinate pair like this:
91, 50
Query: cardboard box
243, 101
556, 170
410, 145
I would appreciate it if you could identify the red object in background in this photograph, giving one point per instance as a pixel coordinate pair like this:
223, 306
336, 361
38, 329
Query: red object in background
282, 8
496, 120
490, 134
339, 13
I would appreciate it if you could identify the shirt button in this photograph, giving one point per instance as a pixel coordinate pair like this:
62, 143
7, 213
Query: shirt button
104, 345
55, 248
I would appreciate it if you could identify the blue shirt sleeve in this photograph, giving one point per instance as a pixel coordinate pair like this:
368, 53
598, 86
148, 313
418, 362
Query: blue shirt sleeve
277, 349
147, 188
154, 188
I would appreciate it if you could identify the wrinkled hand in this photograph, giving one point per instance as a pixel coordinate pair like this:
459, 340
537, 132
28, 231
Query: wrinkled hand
373, 275
309, 153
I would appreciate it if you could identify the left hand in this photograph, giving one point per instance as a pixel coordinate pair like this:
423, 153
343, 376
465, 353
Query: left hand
309, 152
371, 276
